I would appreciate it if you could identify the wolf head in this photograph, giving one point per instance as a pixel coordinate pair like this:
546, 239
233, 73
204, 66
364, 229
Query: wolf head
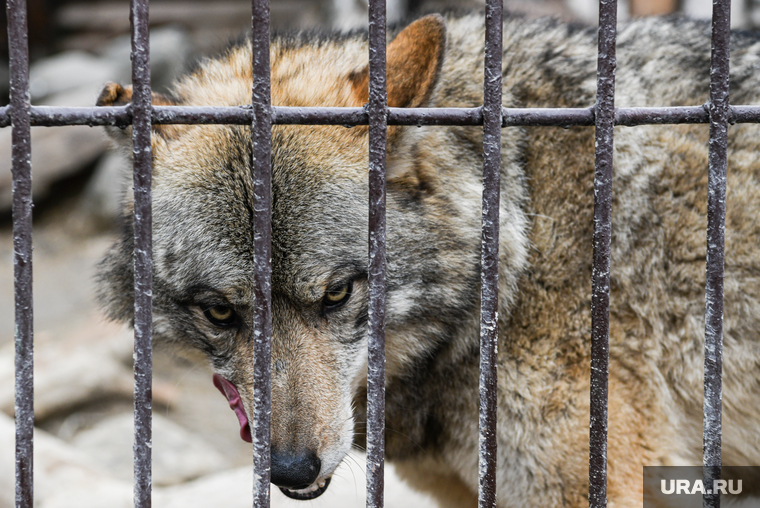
202, 236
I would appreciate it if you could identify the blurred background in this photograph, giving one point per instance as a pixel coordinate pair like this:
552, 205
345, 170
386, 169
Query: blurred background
83, 379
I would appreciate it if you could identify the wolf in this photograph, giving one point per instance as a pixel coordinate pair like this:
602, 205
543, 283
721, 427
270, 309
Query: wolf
202, 234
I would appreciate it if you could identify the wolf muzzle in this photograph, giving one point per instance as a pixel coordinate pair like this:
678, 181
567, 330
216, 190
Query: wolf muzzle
294, 474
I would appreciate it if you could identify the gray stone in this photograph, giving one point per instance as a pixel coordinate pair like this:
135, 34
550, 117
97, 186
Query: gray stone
178, 454
65, 72
103, 197
73, 79
231, 489
57, 152
75, 369
66, 376
63, 476
170, 49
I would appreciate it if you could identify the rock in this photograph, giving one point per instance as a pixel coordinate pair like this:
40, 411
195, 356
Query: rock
57, 152
75, 370
73, 79
231, 489
103, 197
78, 70
63, 476
170, 49
65, 378
178, 454
65, 72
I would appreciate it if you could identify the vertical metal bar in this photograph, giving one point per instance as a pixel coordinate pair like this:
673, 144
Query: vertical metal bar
716, 218
600, 298
377, 109
489, 254
141, 152
22, 249
261, 130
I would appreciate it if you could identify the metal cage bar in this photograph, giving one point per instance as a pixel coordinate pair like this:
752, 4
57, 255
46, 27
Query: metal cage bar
261, 116
378, 127
120, 116
716, 218
143, 257
261, 151
22, 251
600, 291
489, 255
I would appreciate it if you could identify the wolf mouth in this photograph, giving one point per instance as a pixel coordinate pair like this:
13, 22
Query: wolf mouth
232, 395
312, 492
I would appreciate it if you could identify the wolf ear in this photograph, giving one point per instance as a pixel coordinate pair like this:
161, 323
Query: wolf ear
116, 95
414, 59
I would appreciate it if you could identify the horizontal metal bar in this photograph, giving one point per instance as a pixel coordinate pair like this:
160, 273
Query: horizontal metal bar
744, 114
121, 116
631, 117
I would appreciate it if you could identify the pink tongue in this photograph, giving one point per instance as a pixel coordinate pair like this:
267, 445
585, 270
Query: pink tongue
233, 397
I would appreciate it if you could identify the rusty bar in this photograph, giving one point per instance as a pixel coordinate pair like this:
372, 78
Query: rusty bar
261, 155
21, 156
489, 255
716, 218
377, 108
600, 297
143, 219
121, 116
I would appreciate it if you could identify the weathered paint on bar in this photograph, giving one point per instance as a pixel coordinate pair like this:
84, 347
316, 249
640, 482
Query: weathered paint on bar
377, 111
489, 255
600, 289
120, 116
716, 218
21, 156
143, 219
261, 131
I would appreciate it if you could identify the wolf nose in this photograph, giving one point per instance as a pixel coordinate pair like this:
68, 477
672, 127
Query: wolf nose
294, 471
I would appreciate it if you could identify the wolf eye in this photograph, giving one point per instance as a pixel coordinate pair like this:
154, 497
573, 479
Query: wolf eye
220, 315
337, 296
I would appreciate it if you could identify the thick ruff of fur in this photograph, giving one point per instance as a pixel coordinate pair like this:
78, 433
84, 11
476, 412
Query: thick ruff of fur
202, 236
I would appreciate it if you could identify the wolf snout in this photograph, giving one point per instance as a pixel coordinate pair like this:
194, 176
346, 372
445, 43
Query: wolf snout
295, 471
297, 474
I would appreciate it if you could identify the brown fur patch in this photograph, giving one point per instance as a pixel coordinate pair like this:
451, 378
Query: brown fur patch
414, 61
